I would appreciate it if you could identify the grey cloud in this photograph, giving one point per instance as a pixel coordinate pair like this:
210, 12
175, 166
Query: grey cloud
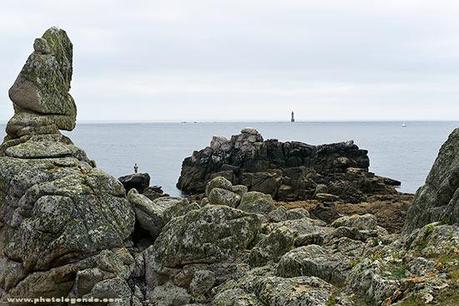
189, 60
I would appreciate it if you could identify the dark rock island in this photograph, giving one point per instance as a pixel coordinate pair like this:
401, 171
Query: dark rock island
286, 170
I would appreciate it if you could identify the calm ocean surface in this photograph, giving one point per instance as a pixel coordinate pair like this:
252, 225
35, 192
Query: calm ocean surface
405, 154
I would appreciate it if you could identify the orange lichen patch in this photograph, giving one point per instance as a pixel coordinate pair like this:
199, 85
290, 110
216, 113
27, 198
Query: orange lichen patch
420, 279
389, 211
307, 204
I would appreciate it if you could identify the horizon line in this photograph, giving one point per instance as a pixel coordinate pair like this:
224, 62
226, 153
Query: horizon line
108, 121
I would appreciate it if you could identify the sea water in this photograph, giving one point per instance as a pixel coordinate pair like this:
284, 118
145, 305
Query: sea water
403, 153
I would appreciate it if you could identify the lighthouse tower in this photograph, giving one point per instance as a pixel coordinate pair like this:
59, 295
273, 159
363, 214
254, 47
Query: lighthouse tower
293, 117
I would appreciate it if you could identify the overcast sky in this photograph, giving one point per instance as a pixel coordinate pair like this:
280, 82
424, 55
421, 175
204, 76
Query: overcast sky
247, 59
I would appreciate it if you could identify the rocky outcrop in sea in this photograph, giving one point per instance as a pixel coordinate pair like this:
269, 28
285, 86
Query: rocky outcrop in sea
69, 230
286, 170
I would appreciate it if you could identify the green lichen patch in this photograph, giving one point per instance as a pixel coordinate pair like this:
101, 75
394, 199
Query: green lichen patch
40, 94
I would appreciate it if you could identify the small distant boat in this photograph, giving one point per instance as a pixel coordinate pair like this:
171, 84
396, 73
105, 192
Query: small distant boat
404, 124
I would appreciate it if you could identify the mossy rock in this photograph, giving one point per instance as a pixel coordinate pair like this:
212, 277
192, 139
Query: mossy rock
41, 91
206, 235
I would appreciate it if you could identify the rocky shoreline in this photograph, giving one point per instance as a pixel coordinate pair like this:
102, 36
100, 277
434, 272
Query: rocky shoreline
267, 223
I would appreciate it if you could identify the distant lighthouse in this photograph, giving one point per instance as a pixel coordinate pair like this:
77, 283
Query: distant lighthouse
293, 117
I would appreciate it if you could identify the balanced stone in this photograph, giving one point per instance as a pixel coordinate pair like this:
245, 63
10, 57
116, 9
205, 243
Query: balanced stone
40, 94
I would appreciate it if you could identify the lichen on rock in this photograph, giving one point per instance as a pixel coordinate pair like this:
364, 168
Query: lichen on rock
59, 214
40, 94
438, 199
207, 235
